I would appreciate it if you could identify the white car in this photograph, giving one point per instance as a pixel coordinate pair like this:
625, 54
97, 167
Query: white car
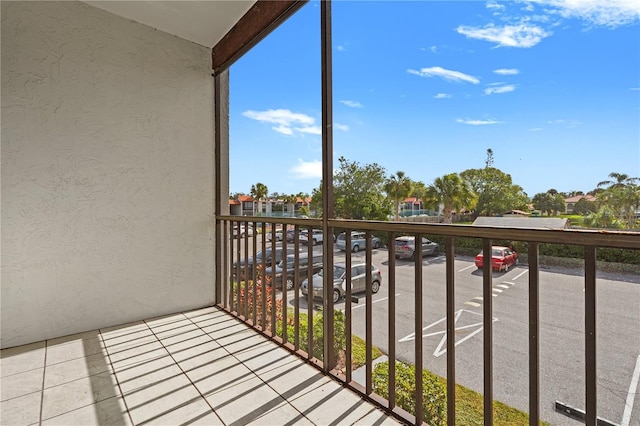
248, 230
278, 235
316, 237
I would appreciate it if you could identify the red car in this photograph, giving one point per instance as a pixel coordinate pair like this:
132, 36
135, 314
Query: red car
502, 258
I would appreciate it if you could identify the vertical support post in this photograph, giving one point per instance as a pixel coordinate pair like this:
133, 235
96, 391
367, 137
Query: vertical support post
327, 182
487, 312
418, 327
368, 322
534, 333
221, 173
451, 332
392, 320
590, 335
347, 303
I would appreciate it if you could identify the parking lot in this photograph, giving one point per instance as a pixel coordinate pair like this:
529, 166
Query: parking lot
562, 363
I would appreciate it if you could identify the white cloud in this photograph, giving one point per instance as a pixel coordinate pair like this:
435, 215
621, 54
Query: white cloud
342, 127
286, 122
536, 129
444, 73
499, 89
352, 104
340, 48
442, 96
312, 130
568, 123
635, 88
492, 4
520, 35
478, 122
507, 71
609, 13
307, 169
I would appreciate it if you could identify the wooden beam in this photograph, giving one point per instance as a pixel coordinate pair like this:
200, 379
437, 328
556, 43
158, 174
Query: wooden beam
263, 17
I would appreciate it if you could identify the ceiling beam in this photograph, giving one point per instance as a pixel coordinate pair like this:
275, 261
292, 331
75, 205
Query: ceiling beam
263, 17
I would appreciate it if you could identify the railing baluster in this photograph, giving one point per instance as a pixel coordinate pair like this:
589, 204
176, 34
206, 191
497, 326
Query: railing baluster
590, 334
451, 331
283, 282
226, 261
254, 274
273, 287
392, 319
418, 326
487, 297
296, 283
263, 284
349, 318
369, 314
310, 298
247, 268
534, 333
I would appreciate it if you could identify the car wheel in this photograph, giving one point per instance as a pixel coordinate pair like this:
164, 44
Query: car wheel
336, 295
289, 283
315, 241
517, 262
376, 245
356, 248
375, 287
413, 256
436, 251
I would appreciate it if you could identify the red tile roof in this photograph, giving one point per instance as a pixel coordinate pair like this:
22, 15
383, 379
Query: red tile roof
245, 198
234, 202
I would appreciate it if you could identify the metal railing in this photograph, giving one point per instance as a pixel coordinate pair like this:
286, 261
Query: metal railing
242, 298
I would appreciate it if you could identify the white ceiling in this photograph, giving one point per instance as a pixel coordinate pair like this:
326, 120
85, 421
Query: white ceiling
203, 22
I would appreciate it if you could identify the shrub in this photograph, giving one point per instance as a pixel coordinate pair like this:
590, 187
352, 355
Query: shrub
434, 395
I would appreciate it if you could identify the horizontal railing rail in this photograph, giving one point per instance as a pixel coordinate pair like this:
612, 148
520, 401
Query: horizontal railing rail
248, 290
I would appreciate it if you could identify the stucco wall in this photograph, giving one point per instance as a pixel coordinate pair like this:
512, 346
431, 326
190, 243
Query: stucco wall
107, 171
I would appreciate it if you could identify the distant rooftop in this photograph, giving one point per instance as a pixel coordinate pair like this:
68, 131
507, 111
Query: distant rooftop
522, 222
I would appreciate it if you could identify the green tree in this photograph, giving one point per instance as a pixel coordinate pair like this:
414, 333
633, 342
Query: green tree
258, 192
358, 191
398, 187
452, 192
496, 192
584, 207
622, 196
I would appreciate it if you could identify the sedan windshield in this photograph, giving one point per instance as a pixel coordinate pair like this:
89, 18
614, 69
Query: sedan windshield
338, 271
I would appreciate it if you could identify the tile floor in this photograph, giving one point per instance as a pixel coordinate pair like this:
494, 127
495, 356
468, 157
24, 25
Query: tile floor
197, 367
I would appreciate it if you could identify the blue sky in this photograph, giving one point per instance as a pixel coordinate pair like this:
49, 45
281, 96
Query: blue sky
426, 87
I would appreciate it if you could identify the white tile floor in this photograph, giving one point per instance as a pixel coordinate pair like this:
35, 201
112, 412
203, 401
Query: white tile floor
198, 367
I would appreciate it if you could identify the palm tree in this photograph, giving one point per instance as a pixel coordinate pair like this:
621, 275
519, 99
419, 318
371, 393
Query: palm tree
258, 192
452, 192
621, 180
291, 201
398, 187
622, 194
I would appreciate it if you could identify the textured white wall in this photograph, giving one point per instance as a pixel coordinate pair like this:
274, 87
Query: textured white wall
107, 171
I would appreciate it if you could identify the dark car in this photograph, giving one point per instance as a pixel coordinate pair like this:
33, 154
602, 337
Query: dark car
268, 257
406, 247
302, 268
358, 281
502, 258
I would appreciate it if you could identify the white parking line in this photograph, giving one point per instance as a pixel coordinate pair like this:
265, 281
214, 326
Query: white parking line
628, 405
497, 290
521, 274
375, 301
468, 267
506, 287
474, 304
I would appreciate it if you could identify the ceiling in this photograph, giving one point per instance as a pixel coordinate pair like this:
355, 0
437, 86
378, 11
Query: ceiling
202, 22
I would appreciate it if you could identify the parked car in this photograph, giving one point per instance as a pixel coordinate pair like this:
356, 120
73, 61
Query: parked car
244, 229
316, 237
502, 258
268, 256
358, 281
358, 241
278, 235
406, 247
302, 268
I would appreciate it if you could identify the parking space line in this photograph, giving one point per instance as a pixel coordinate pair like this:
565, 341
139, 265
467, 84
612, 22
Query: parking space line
506, 287
474, 304
628, 405
374, 301
521, 274
478, 298
497, 290
468, 267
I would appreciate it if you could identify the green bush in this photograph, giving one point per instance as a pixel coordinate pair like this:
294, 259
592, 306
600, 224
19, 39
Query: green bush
317, 350
434, 395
